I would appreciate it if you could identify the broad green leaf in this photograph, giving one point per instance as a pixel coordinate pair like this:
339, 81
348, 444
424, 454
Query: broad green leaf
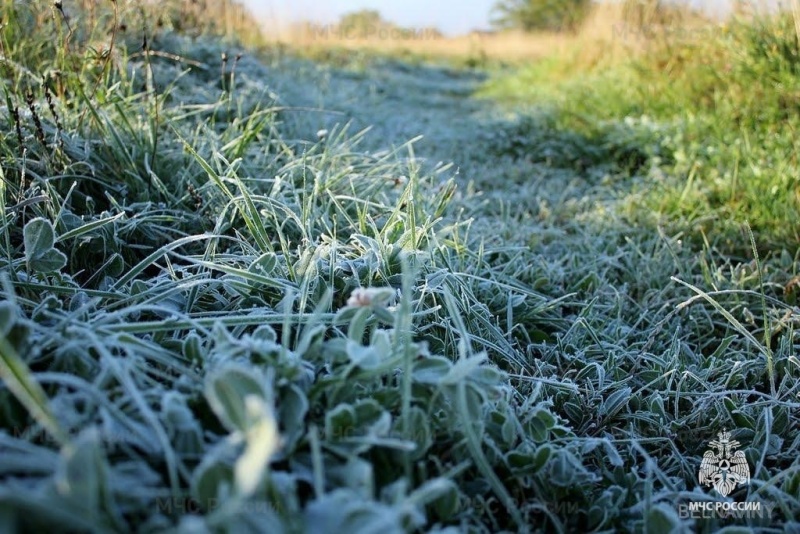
191, 348
547, 418
542, 455
340, 423
538, 430
616, 401
40, 256
226, 391
563, 468
49, 262
612, 455
463, 368
431, 370
212, 480
39, 238
292, 409
662, 518
265, 333
264, 265
440, 492
364, 357
418, 429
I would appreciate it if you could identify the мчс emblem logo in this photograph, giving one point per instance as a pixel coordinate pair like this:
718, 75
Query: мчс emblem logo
726, 468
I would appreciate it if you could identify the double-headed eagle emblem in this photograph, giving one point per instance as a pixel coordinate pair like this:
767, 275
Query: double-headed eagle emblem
726, 468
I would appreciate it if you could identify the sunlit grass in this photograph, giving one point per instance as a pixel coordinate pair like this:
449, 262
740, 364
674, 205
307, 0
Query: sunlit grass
611, 31
716, 108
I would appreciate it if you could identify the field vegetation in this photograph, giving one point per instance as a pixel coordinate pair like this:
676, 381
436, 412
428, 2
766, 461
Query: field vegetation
239, 292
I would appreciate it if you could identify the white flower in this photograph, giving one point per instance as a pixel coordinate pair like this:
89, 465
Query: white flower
370, 296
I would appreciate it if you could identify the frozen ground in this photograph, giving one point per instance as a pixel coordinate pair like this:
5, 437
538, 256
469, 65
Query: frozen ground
537, 363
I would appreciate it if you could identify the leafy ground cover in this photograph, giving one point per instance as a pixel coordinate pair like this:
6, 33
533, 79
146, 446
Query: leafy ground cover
236, 297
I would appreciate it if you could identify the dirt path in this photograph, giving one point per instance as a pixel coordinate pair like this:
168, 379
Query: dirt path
399, 102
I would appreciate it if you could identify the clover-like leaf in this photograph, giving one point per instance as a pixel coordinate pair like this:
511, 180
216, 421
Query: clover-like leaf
40, 256
39, 237
51, 261
226, 391
212, 479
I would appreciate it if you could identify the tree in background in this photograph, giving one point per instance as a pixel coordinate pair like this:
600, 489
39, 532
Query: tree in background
363, 22
533, 15
368, 23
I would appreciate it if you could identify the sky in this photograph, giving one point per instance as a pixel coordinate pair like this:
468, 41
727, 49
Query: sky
452, 17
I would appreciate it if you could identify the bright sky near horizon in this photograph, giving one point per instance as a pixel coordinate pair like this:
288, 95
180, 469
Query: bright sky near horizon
451, 16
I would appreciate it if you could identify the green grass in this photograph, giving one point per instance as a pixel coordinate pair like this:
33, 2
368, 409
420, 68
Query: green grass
719, 111
227, 307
